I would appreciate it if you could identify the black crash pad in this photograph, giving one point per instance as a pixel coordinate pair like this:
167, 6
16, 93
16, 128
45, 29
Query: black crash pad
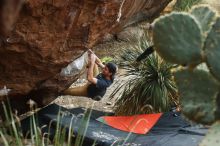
170, 130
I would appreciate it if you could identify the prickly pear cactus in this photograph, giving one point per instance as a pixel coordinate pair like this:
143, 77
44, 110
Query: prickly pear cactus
198, 91
212, 49
195, 39
217, 109
212, 137
174, 42
205, 15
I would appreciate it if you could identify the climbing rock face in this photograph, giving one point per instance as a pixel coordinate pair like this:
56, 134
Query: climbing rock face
40, 37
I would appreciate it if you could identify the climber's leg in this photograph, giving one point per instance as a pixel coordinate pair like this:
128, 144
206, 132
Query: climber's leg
77, 91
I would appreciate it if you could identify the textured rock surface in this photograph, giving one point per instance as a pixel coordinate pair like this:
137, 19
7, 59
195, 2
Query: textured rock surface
40, 37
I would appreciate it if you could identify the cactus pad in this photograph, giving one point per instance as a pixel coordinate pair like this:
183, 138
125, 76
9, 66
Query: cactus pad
205, 16
178, 38
212, 137
212, 49
198, 90
217, 110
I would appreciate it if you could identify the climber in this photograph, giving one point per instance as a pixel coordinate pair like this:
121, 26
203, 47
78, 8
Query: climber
97, 82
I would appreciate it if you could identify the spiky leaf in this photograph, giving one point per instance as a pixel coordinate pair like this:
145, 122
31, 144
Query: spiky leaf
198, 90
205, 16
212, 137
178, 38
212, 49
151, 90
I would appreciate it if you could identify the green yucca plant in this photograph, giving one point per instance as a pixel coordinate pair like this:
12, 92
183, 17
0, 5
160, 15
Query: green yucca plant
150, 89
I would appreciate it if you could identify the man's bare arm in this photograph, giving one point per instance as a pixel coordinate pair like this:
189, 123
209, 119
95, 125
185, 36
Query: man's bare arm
90, 76
97, 61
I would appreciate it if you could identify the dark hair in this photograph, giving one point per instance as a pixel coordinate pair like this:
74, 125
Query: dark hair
112, 69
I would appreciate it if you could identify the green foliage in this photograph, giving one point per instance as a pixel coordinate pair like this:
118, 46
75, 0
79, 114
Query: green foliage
184, 5
205, 16
107, 59
150, 87
212, 138
174, 42
198, 91
217, 109
127, 57
198, 88
11, 134
13, 126
212, 49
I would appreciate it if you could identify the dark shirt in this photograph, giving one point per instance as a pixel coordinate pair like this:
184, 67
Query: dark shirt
99, 89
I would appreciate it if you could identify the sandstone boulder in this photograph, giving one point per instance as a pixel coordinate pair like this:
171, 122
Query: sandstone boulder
40, 37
